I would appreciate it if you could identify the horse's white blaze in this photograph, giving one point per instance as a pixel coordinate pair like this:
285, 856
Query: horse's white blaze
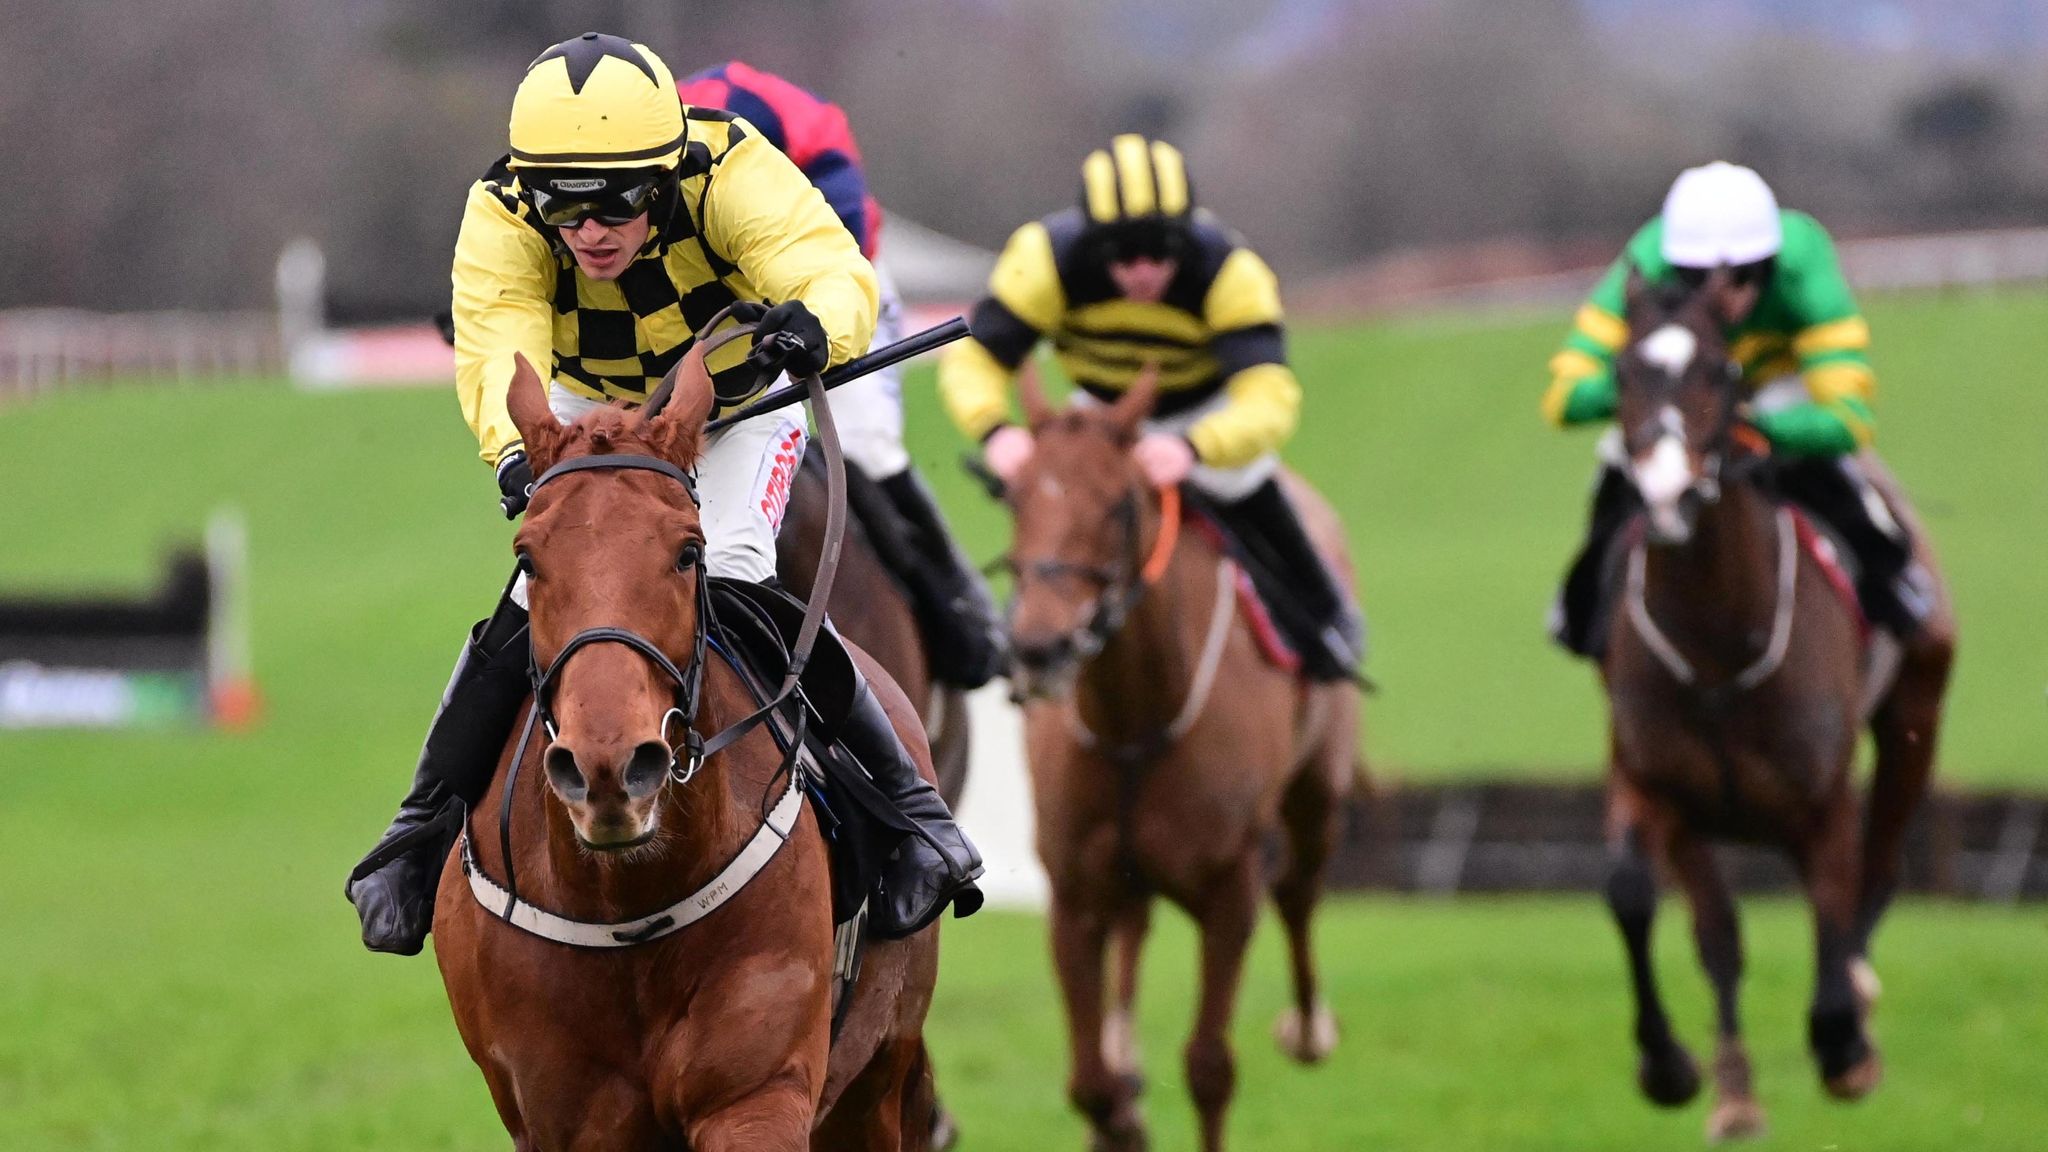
1670, 348
1665, 472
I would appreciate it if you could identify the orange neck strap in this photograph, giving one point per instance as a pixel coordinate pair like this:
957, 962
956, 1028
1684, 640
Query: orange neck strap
1169, 535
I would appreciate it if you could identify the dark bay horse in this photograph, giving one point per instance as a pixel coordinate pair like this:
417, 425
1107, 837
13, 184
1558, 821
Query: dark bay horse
715, 1036
1164, 749
1736, 676
871, 609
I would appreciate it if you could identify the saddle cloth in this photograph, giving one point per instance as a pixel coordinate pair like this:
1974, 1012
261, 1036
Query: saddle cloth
1272, 642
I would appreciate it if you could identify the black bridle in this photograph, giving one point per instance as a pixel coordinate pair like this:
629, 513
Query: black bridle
688, 679
1714, 451
1121, 585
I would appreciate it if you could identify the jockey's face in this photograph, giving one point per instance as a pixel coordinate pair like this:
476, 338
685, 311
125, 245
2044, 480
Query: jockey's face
1736, 296
1144, 279
602, 251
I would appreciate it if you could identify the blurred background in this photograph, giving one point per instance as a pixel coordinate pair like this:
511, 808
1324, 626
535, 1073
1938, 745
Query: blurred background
229, 218
207, 133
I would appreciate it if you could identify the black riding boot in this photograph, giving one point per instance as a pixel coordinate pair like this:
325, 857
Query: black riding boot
963, 631
393, 887
1303, 595
930, 869
1577, 622
1896, 593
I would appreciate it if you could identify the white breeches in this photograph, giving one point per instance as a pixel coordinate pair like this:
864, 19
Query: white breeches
743, 481
869, 411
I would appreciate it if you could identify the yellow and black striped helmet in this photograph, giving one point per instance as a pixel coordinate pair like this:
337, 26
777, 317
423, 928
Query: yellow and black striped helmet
1133, 180
597, 101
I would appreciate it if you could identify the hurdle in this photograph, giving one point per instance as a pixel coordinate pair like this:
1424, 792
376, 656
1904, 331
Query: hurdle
180, 655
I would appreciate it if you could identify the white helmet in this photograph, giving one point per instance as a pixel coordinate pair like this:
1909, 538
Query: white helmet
1720, 214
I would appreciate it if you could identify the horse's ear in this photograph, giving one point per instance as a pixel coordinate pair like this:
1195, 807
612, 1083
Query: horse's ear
677, 410
1131, 409
1038, 411
527, 403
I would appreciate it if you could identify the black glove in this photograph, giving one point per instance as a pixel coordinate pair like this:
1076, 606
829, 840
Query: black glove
790, 339
515, 481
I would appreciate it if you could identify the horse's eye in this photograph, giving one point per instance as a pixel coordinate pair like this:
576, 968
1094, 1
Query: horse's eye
691, 556
525, 562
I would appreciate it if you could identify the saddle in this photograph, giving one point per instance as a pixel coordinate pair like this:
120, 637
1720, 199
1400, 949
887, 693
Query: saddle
753, 628
1261, 583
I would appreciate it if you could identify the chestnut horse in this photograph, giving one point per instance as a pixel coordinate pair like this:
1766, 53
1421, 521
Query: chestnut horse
1736, 677
717, 1036
1164, 751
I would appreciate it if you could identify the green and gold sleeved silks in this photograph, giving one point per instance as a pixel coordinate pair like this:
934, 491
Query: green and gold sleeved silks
1218, 330
748, 226
1806, 324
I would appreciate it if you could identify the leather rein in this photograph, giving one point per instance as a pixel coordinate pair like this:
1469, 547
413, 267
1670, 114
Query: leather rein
1124, 584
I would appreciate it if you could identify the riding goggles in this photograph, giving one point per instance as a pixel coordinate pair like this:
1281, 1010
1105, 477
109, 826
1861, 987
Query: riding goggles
567, 201
1740, 276
1156, 240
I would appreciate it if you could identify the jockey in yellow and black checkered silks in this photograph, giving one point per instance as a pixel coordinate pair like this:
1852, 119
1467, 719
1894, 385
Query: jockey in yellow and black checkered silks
619, 223
597, 130
1136, 273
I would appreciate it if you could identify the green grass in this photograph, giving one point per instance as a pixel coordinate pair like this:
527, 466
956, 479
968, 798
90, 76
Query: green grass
178, 969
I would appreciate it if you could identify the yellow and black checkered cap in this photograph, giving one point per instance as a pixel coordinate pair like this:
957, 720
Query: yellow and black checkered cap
1135, 179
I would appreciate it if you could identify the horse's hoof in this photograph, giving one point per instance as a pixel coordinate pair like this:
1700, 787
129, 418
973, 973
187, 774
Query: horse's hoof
945, 1131
1120, 1043
1859, 1081
1868, 987
1131, 1139
1671, 1079
1307, 1041
1735, 1120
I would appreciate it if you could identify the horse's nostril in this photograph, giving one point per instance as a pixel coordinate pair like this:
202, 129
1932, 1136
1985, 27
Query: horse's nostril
1036, 655
564, 774
644, 771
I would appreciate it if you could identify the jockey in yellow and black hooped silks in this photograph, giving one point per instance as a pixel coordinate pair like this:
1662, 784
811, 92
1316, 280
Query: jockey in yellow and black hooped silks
618, 225
1802, 347
1137, 273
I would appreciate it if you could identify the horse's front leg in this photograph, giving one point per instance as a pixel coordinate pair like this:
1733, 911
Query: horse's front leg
1718, 934
1829, 862
1665, 1071
775, 1119
1080, 936
1228, 915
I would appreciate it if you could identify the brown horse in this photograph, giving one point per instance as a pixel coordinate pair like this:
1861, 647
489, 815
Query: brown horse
1737, 681
1149, 778
716, 1036
871, 609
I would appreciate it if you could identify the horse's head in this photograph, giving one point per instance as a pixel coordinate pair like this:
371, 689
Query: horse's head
1677, 396
1077, 552
614, 565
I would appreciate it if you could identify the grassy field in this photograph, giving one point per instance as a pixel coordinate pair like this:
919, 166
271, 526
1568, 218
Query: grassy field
178, 969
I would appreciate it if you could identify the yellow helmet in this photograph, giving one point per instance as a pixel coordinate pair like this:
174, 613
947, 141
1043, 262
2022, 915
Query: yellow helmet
597, 101
1135, 179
